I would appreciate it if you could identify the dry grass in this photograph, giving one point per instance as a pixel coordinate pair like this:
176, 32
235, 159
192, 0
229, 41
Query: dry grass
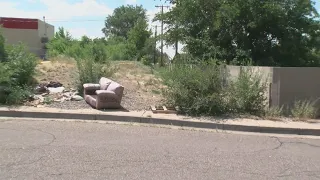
64, 72
142, 88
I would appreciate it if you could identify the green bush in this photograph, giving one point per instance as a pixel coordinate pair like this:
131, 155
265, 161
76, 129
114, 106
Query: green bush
16, 75
22, 63
121, 51
247, 93
18, 94
207, 89
196, 90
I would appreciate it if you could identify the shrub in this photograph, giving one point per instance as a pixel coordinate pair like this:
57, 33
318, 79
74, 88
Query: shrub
206, 89
22, 63
121, 51
16, 75
304, 109
247, 93
18, 94
196, 90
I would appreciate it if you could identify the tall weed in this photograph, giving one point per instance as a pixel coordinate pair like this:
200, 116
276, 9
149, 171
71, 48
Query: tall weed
304, 109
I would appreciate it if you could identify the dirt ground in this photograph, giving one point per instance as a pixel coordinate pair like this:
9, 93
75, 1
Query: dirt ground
142, 87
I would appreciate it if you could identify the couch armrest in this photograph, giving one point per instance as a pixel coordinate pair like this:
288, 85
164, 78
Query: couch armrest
91, 86
107, 96
90, 89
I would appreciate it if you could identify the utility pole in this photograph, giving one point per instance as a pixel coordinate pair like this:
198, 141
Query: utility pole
162, 6
155, 45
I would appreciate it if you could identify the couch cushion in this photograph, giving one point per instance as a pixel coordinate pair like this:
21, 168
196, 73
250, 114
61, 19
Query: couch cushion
115, 87
104, 83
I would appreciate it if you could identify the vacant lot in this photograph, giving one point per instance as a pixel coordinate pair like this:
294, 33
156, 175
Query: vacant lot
142, 87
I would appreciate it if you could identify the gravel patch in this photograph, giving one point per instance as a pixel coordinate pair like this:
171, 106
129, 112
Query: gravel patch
69, 105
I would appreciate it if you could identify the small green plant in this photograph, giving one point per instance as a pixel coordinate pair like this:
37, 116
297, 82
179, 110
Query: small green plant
47, 100
304, 109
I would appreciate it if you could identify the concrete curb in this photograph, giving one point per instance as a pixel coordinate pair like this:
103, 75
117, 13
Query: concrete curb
159, 121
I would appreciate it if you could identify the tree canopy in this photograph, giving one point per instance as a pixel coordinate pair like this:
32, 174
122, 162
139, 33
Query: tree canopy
123, 19
269, 32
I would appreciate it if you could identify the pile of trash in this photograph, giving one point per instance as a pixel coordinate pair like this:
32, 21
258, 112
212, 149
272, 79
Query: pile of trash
46, 93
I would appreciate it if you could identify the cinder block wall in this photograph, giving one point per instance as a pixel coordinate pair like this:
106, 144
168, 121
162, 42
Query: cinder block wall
297, 83
286, 84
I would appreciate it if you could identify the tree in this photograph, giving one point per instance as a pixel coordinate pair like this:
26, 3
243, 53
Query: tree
123, 19
85, 40
139, 34
63, 34
60, 43
269, 32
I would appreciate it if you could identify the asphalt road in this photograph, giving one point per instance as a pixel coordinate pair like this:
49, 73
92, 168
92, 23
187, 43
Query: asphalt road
70, 150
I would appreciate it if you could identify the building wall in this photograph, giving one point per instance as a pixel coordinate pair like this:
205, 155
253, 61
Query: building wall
41, 29
27, 31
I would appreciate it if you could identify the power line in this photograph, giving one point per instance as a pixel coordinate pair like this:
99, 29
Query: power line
78, 20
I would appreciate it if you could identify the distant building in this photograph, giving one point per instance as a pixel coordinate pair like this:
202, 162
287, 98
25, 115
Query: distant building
33, 33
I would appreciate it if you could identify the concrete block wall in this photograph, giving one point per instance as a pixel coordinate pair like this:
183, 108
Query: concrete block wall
297, 83
286, 84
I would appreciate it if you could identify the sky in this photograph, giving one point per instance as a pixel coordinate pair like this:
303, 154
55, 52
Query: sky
79, 17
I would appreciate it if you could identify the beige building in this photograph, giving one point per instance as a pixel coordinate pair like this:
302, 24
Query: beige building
33, 33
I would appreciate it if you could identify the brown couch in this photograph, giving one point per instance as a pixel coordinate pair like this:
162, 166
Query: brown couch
105, 95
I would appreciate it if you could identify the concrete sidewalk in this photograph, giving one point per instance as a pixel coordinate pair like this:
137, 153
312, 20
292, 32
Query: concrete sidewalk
245, 125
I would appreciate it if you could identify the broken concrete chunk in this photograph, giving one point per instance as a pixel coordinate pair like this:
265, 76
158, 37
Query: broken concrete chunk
76, 98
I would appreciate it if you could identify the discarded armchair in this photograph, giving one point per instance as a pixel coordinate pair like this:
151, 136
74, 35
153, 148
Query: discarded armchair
105, 95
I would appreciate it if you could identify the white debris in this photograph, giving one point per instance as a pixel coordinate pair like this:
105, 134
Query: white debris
56, 90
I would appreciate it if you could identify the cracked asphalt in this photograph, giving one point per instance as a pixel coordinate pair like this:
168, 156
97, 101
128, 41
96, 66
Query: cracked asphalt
73, 150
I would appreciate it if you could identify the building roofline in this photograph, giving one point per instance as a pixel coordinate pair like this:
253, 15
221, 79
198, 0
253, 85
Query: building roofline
18, 18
